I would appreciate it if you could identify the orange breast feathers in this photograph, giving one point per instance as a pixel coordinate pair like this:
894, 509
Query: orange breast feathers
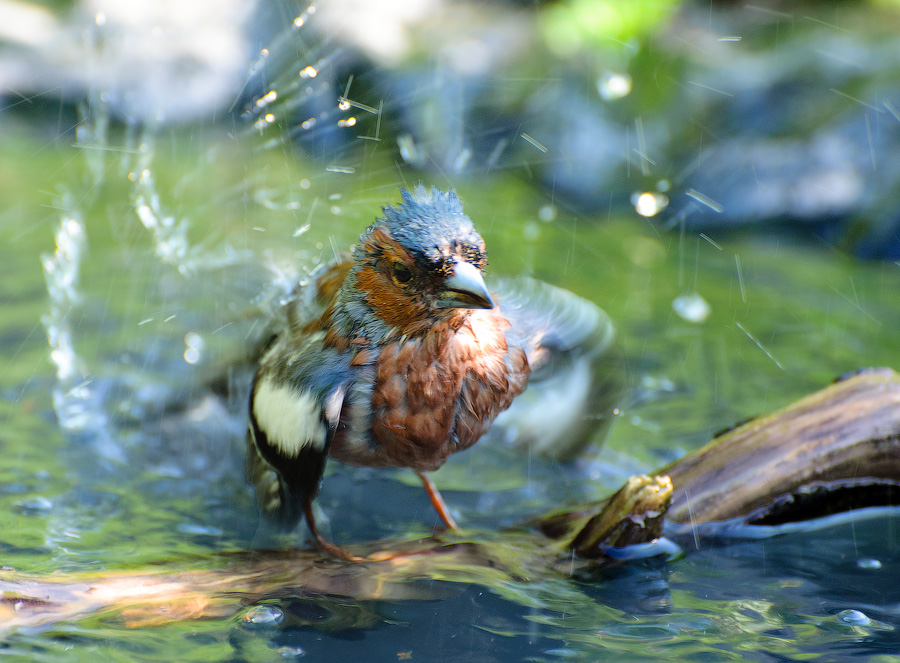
439, 394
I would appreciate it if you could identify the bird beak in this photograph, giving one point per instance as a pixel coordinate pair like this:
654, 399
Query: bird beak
465, 288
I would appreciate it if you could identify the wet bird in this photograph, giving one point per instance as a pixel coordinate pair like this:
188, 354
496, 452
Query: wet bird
399, 356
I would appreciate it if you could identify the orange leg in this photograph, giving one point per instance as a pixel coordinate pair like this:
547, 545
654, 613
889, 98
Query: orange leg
437, 501
327, 546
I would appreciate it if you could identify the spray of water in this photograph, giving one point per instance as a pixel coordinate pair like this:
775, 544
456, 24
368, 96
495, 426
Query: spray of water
78, 406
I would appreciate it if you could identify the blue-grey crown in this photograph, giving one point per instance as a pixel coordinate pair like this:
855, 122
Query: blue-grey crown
431, 223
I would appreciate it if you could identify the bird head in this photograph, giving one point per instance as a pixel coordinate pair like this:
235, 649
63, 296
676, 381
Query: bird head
421, 262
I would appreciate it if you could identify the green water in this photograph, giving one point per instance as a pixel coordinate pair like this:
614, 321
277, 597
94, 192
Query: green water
784, 320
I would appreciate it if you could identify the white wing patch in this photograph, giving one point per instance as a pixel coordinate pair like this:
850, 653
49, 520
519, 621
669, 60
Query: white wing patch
291, 419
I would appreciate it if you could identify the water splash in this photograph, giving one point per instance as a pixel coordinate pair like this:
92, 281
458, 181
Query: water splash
61, 274
170, 235
86, 402
78, 407
61, 270
90, 404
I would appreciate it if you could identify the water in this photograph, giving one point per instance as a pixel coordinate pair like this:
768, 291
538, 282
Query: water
187, 239
148, 486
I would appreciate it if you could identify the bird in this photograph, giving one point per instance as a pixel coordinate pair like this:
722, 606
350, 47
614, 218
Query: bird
399, 355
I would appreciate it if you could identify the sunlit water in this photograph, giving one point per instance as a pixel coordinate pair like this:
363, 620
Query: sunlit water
117, 454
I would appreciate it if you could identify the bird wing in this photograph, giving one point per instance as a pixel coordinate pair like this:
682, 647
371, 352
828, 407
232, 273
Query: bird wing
577, 374
295, 412
296, 400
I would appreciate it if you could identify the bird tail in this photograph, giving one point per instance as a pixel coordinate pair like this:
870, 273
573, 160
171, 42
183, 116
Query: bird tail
279, 505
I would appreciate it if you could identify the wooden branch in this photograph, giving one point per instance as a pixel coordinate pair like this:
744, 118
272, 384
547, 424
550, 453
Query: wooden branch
848, 432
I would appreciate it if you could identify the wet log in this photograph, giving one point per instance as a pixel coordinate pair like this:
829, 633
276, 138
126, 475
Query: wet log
843, 438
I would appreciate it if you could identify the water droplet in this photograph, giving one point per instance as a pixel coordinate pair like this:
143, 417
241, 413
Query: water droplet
291, 651
304, 184
266, 99
614, 86
194, 340
408, 148
308, 72
263, 617
691, 307
462, 160
649, 203
869, 564
854, 617
547, 213
100, 18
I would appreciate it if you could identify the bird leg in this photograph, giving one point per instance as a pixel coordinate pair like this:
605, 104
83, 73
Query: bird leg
327, 546
437, 501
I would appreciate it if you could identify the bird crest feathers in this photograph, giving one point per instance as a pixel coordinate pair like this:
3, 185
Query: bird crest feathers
431, 223
422, 206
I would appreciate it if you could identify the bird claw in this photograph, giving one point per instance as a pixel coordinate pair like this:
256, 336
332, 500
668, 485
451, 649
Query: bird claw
337, 552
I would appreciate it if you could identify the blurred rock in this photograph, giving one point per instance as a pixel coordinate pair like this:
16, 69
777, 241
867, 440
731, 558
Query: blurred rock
801, 133
152, 61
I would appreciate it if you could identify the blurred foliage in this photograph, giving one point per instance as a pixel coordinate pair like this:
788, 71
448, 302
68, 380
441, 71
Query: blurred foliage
588, 25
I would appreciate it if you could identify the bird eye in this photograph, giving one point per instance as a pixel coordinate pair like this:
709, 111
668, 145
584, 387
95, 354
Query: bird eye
401, 273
